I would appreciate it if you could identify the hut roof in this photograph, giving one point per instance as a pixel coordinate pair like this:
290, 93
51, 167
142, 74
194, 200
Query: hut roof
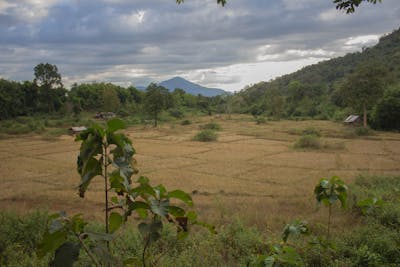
78, 129
351, 119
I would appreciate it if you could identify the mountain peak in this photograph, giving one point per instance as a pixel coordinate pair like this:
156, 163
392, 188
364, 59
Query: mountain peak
190, 87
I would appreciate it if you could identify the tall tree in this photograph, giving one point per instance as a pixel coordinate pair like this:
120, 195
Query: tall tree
155, 100
47, 79
364, 87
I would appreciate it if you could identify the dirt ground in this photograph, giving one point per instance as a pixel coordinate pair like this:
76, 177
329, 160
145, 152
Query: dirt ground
252, 171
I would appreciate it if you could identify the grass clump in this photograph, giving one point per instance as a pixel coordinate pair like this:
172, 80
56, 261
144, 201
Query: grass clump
206, 136
186, 122
211, 126
261, 120
312, 131
361, 131
308, 141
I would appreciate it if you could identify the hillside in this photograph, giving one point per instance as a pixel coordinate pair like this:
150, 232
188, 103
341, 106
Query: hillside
191, 88
325, 74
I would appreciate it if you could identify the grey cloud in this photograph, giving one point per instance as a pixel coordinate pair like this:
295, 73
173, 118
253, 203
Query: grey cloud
107, 39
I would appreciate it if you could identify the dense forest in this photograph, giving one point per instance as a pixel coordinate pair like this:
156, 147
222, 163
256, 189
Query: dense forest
321, 90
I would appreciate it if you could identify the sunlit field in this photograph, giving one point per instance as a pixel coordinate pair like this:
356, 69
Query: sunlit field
252, 171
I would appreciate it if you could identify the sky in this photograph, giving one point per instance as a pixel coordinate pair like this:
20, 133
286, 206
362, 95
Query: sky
135, 42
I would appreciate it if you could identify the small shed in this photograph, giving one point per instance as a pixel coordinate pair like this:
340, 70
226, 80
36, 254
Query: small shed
77, 129
352, 120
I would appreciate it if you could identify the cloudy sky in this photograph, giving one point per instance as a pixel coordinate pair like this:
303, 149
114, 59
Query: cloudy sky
134, 42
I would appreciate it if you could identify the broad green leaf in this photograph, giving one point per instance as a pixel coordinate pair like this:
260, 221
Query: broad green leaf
114, 125
143, 180
294, 228
143, 190
176, 211
192, 215
91, 169
142, 213
51, 242
181, 195
114, 200
160, 191
115, 221
66, 255
138, 205
119, 183
77, 223
159, 207
99, 236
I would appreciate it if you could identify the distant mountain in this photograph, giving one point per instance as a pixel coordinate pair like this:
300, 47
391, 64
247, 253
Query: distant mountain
191, 88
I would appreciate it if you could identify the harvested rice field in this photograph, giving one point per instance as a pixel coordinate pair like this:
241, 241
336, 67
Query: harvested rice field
252, 171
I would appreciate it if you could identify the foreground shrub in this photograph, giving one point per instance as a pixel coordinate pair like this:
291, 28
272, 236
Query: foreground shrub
371, 245
211, 126
19, 238
308, 141
206, 136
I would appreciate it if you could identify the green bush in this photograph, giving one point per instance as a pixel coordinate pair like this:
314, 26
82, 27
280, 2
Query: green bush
361, 131
211, 126
176, 113
260, 120
17, 129
206, 136
19, 238
308, 141
186, 122
311, 131
371, 245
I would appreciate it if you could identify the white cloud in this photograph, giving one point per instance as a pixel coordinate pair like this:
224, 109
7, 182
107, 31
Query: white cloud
362, 40
30, 11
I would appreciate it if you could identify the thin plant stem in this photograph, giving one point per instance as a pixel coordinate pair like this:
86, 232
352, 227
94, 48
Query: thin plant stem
329, 219
87, 250
105, 159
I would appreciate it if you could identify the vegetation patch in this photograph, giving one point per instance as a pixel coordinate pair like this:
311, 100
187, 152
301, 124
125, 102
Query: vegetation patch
211, 126
206, 136
308, 142
361, 131
186, 122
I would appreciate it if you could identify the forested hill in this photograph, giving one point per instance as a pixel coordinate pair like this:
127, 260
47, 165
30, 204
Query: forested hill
324, 76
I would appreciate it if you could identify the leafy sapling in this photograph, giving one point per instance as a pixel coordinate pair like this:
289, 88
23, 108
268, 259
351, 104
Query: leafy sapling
328, 192
107, 154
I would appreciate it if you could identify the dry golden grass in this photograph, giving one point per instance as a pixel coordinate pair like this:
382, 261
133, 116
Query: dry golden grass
252, 171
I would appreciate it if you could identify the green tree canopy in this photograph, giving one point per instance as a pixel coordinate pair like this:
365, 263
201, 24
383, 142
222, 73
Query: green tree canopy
48, 80
46, 75
155, 100
387, 110
364, 87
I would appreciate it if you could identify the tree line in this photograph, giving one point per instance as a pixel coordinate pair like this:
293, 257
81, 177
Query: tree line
46, 94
